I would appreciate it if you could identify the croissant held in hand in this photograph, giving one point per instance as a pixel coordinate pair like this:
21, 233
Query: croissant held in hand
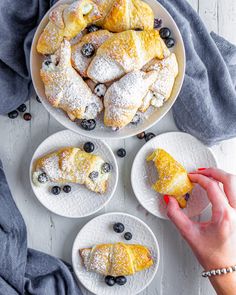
116, 259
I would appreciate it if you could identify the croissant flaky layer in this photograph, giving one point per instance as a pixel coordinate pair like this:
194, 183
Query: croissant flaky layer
73, 165
172, 177
118, 259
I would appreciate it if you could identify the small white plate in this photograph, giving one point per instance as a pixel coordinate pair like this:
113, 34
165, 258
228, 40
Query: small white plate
187, 150
80, 202
101, 131
99, 231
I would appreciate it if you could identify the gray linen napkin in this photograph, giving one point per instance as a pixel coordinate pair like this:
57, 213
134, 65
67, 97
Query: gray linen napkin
206, 106
22, 270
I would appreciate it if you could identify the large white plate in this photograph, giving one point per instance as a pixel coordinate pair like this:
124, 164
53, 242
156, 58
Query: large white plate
187, 150
80, 202
101, 131
98, 231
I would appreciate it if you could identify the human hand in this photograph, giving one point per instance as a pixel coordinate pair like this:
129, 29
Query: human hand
213, 242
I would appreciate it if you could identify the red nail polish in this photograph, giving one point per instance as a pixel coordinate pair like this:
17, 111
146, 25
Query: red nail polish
201, 169
166, 199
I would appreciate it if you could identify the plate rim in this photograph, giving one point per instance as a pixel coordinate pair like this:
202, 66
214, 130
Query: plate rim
136, 219
138, 154
76, 134
108, 136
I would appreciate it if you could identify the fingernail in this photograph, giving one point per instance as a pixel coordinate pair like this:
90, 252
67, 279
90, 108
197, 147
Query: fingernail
201, 169
166, 199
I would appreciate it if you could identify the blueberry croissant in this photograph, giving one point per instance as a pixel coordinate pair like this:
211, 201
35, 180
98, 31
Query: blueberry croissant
116, 259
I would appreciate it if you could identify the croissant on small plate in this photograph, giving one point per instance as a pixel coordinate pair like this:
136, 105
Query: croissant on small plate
117, 259
172, 177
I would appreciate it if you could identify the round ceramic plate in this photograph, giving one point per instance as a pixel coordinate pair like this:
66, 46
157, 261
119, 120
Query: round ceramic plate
188, 151
99, 231
80, 202
151, 118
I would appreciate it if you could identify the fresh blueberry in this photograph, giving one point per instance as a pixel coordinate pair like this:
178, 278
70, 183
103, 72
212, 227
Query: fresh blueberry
141, 135
106, 167
121, 280
43, 178
187, 196
110, 281
93, 175
149, 136
93, 28
27, 116
88, 124
88, 50
136, 119
100, 90
121, 153
47, 62
22, 108
128, 236
67, 189
56, 190
119, 227
170, 42
13, 114
89, 147
165, 33
157, 23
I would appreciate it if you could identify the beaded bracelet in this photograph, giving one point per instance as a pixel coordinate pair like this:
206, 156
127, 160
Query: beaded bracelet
218, 272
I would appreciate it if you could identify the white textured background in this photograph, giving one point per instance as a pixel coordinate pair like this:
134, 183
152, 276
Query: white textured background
179, 273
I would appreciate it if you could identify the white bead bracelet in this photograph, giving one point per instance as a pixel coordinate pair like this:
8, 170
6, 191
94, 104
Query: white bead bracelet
218, 272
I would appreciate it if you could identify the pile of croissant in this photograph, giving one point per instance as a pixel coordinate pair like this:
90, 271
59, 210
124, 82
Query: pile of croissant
127, 69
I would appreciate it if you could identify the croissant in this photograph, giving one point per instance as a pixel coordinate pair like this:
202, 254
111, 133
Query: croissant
117, 259
72, 165
79, 61
125, 52
124, 97
172, 177
66, 21
65, 89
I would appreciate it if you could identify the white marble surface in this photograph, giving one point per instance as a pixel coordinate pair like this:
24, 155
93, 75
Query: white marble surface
179, 272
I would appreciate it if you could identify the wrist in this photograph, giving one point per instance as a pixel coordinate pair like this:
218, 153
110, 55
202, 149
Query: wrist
224, 284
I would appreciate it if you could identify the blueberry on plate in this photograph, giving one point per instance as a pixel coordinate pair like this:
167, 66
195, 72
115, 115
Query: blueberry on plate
27, 116
121, 153
56, 190
43, 178
88, 124
22, 108
157, 23
67, 189
100, 90
13, 115
141, 135
119, 227
93, 175
136, 119
187, 196
47, 62
170, 42
88, 50
149, 136
110, 281
93, 28
121, 280
89, 147
165, 33
128, 236
106, 168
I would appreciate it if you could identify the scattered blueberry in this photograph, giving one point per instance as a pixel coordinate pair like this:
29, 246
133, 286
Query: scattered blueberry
110, 281
47, 62
22, 108
128, 236
121, 153
67, 189
187, 196
93, 28
93, 175
88, 50
13, 115
89, 147
149, 136
170, 42
100, 90
119, 227
27, 117
88, 124
38, 100
121, 280
136, 119
165, 33
157, 23
43, 178
56, 190
106, 167
141, 135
